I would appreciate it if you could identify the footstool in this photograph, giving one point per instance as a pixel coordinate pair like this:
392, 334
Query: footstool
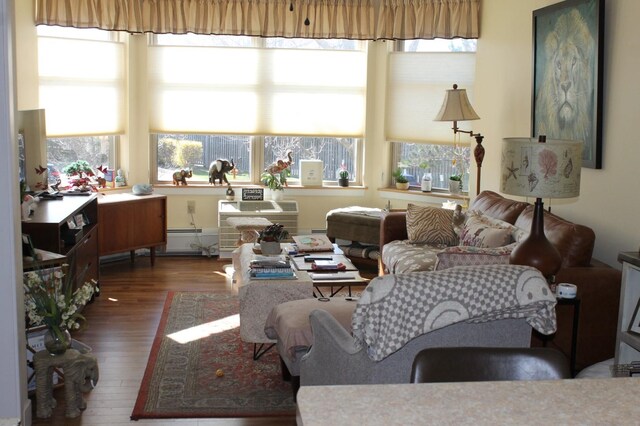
249, 228
288, 323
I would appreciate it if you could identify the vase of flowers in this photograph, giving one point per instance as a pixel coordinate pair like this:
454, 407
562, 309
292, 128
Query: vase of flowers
51, 300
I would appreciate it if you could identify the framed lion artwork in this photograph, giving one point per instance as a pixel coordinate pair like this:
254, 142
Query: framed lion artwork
567, 75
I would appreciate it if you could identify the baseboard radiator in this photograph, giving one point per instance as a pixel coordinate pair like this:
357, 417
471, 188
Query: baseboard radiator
191, 242
283, 212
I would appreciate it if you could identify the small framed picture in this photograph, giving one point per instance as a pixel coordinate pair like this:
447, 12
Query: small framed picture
634, 325
71, 224
79, 219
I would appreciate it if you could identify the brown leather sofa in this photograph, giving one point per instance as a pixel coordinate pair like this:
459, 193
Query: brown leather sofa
598, 284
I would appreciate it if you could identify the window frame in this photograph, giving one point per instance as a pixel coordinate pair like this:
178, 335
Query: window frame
258, 141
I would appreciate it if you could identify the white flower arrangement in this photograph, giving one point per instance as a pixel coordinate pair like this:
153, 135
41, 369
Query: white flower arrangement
51, 300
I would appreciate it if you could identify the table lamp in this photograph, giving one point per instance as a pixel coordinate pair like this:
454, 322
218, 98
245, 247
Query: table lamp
543, 169
456, 107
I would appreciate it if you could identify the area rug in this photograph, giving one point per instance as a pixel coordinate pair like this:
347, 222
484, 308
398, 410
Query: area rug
212, 372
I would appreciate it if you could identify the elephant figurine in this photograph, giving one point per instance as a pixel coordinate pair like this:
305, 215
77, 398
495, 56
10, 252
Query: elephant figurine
80, 375
180, 177
218, 170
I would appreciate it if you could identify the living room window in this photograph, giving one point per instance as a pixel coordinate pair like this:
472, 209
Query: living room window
419, 72
265, 95
81, 88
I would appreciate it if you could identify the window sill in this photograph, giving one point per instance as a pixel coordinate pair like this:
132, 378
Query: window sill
416, 193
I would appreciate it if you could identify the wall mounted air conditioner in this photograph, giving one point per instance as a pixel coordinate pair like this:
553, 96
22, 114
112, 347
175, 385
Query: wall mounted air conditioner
284, 212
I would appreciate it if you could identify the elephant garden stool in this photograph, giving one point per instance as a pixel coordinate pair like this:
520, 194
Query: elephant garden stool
248, 227
80, 375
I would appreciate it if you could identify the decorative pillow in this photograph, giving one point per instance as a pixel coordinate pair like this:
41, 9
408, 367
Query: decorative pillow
473, 256
484, 231
430, 225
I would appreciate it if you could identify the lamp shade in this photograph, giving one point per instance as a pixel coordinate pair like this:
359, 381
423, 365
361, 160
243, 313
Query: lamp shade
456, 106
548, 169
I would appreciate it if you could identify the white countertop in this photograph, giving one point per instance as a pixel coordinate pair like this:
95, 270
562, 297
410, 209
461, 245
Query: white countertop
613, 401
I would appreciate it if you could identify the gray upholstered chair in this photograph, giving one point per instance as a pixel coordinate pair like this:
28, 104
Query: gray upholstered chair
334, 358
476, 364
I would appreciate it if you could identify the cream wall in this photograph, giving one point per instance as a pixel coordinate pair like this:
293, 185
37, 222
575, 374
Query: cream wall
607, 203
609, 200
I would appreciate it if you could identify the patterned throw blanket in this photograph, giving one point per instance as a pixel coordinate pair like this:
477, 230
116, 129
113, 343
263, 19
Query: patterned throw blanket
397, 308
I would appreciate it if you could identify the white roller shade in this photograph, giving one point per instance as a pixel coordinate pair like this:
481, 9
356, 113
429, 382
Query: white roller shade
81, 86
257, 91
416, 84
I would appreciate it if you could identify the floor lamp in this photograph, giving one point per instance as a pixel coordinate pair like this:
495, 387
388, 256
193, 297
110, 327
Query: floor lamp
456, 107
542, 169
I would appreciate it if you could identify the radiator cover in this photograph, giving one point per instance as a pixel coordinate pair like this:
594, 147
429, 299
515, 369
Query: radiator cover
283, 212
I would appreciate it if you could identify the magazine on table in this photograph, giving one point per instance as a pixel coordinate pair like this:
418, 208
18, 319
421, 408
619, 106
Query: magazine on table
328, 265
314, 242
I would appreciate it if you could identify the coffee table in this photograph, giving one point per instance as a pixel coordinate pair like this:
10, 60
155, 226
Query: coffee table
329, 278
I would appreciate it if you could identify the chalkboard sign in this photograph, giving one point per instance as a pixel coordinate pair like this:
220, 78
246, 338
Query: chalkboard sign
252, 194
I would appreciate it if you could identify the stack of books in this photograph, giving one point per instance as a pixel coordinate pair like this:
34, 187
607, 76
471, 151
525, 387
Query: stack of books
270, 268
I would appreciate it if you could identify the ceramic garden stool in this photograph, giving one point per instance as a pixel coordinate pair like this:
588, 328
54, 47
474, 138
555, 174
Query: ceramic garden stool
249, 228
80, 375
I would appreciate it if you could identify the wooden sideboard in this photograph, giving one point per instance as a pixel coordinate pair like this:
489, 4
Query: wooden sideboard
68, 226
129, 222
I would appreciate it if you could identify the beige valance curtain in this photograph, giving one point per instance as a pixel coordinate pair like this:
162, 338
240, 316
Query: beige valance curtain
352, 19
412, 19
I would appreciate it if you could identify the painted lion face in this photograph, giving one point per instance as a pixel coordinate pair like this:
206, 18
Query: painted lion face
566, 73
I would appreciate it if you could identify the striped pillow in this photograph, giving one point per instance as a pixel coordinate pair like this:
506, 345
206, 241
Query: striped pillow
430, 225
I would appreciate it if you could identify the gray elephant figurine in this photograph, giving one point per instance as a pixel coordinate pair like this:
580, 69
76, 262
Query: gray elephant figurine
80, 376
218, 170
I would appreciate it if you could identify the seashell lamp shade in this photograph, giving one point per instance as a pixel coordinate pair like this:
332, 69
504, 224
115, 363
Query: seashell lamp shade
548, 169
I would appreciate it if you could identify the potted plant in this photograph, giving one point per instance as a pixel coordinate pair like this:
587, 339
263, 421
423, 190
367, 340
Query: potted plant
275, 182
401, 180
343, 180
79, 173
455, 183
270, 238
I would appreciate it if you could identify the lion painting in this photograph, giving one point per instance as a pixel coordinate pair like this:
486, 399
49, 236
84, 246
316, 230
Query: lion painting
564, 96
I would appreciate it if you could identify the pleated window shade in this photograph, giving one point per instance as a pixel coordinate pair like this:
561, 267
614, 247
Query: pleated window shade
416, 84
81, 86
257, 91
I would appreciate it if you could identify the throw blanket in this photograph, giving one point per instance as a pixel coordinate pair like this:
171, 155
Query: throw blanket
397, 308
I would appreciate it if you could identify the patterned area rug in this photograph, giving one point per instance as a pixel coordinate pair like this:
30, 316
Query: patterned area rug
199, 367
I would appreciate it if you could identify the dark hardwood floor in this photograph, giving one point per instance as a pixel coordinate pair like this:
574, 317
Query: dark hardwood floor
121, 325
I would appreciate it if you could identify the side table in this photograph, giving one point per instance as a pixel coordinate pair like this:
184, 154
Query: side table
80, 375
575, 302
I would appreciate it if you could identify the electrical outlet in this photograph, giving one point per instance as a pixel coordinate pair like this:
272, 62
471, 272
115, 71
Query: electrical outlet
191, 207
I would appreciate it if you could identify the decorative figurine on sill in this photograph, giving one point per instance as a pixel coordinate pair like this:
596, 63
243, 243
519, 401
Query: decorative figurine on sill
230, 193
180, 177
281, 165
120, 180
218, 170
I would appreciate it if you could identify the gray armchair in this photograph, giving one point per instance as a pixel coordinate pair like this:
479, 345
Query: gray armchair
334, 358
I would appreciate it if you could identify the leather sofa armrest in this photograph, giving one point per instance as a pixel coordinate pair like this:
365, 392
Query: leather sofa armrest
393, 226
599, 292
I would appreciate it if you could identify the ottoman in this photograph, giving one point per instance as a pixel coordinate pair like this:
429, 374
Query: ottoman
288, 324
